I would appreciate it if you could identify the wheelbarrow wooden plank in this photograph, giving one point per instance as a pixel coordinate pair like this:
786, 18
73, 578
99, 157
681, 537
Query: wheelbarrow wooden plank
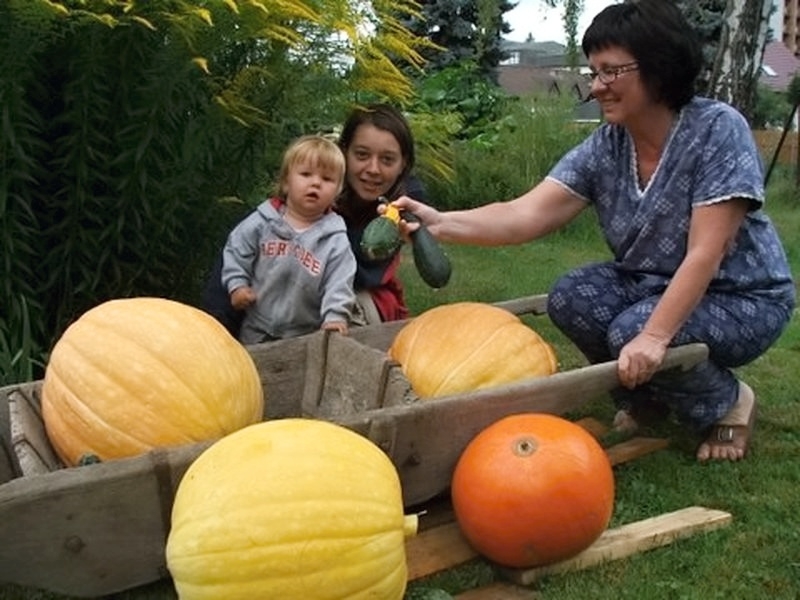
28, 435
92, 530
632, 538
425, 438
281, 365
9, 467
332, 390
529, 305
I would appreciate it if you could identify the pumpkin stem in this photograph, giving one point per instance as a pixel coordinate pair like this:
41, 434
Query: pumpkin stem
525, 446
410, 524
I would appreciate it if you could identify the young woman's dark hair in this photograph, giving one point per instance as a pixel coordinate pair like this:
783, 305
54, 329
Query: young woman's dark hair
387, 118
661, 40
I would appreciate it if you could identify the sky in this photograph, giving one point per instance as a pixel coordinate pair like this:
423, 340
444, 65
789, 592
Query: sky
546, 24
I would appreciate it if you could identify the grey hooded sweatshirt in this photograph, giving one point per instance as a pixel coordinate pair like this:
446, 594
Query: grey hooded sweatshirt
302, 279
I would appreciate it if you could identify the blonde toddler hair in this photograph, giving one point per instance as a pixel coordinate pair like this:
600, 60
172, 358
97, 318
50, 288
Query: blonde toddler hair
317, 150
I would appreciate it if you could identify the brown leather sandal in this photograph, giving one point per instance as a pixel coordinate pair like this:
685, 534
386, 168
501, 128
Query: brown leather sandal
729, 439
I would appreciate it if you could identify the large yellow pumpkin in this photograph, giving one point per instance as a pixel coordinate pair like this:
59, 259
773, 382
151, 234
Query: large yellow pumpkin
467, 346
291, 509
135, 374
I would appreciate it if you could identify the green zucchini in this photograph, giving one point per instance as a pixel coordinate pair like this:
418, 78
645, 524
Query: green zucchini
430, 260
382, 238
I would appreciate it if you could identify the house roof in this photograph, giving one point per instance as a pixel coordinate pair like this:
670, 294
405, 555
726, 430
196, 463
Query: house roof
550, 48
521, 80
526, 79
778, 67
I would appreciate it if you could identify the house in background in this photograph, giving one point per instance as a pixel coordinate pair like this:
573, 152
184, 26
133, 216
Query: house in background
785, 23
778, 67
541, 68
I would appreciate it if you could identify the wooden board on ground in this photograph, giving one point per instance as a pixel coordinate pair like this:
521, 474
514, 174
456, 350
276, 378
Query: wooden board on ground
436, 550
442, 546
498, 591
634, 448
632, 538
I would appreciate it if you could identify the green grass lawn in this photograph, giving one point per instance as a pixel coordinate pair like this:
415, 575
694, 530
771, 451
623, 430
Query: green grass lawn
756, 556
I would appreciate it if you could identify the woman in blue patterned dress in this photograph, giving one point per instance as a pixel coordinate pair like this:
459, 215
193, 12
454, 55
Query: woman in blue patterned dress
677, 184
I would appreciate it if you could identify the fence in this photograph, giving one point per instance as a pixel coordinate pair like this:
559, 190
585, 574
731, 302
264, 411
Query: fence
768, 139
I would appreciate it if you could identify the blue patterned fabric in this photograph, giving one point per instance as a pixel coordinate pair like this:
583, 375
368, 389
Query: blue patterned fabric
710, 157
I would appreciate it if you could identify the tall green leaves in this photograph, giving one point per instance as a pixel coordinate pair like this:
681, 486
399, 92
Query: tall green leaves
123, 124
24, 31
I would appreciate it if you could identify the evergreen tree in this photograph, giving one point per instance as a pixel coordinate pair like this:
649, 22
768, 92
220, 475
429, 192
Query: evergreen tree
462, 30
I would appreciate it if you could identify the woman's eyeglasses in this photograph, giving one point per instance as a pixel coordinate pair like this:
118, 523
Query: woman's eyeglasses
608, 75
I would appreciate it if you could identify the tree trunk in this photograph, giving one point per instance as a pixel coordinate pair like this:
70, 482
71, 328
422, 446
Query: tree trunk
734, 74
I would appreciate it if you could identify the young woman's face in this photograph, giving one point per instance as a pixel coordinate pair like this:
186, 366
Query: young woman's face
374, 162
617, 85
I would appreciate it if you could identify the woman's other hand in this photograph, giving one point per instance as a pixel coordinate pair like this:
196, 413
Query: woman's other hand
639, 359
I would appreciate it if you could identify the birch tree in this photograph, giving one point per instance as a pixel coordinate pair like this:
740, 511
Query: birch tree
733, 76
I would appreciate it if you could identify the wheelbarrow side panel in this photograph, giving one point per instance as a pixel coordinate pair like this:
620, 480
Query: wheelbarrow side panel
93, 530
425, 438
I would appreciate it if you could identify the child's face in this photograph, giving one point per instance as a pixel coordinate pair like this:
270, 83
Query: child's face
374, 162
310, 189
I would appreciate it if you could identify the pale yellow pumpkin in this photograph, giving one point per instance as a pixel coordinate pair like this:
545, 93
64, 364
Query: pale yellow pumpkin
135, 374
291, 509
467, 346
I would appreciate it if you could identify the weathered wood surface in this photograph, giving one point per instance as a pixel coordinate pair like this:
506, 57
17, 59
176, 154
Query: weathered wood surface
614, 544
101, 529
425, 438
632, 538
92, 530
634, 448
444, 547
437, 549
499, 591
34, 454
7, 459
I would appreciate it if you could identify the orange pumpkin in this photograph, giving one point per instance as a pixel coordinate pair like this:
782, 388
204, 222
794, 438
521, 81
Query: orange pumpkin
135, 374
467, 346
532, 489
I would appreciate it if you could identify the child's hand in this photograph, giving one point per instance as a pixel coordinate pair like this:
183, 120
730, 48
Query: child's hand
339, 326
243, 297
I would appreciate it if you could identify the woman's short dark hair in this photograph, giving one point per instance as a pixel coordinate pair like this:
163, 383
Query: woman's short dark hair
386, 118
660, 39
